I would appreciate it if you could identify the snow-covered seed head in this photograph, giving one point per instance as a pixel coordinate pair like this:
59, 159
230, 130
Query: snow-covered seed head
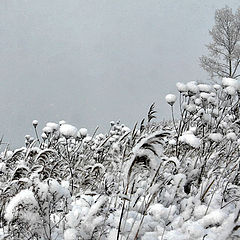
198, 101
212, 100
206, 118
215, 112
47, 130
83, 132
100, 136
171, 99
181, 87
217, 86
44, 136
53, 126
87, 139
230, 90
27, 137
191, 108
215, 137
61, 122
112, 132
111, 139
204, 95
213, 94
204, 88
231, 136
115, 128
126, 130
35, 123
231, 82
112, 123
192, 87
68, 130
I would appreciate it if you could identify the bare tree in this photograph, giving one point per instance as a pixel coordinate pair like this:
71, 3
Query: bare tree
224, 50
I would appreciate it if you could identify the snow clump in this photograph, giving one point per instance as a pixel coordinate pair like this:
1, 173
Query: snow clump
227, 82
215, 137
68, 130
25, 198
230, 90
190, 139
71, 234
204, 88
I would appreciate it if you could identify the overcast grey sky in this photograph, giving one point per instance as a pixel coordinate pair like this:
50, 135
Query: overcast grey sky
92, 61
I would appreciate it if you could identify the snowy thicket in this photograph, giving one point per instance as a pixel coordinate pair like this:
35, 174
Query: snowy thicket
174, 180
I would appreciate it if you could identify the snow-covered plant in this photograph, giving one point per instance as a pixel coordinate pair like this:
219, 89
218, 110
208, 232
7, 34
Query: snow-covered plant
176, 179
171, 99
